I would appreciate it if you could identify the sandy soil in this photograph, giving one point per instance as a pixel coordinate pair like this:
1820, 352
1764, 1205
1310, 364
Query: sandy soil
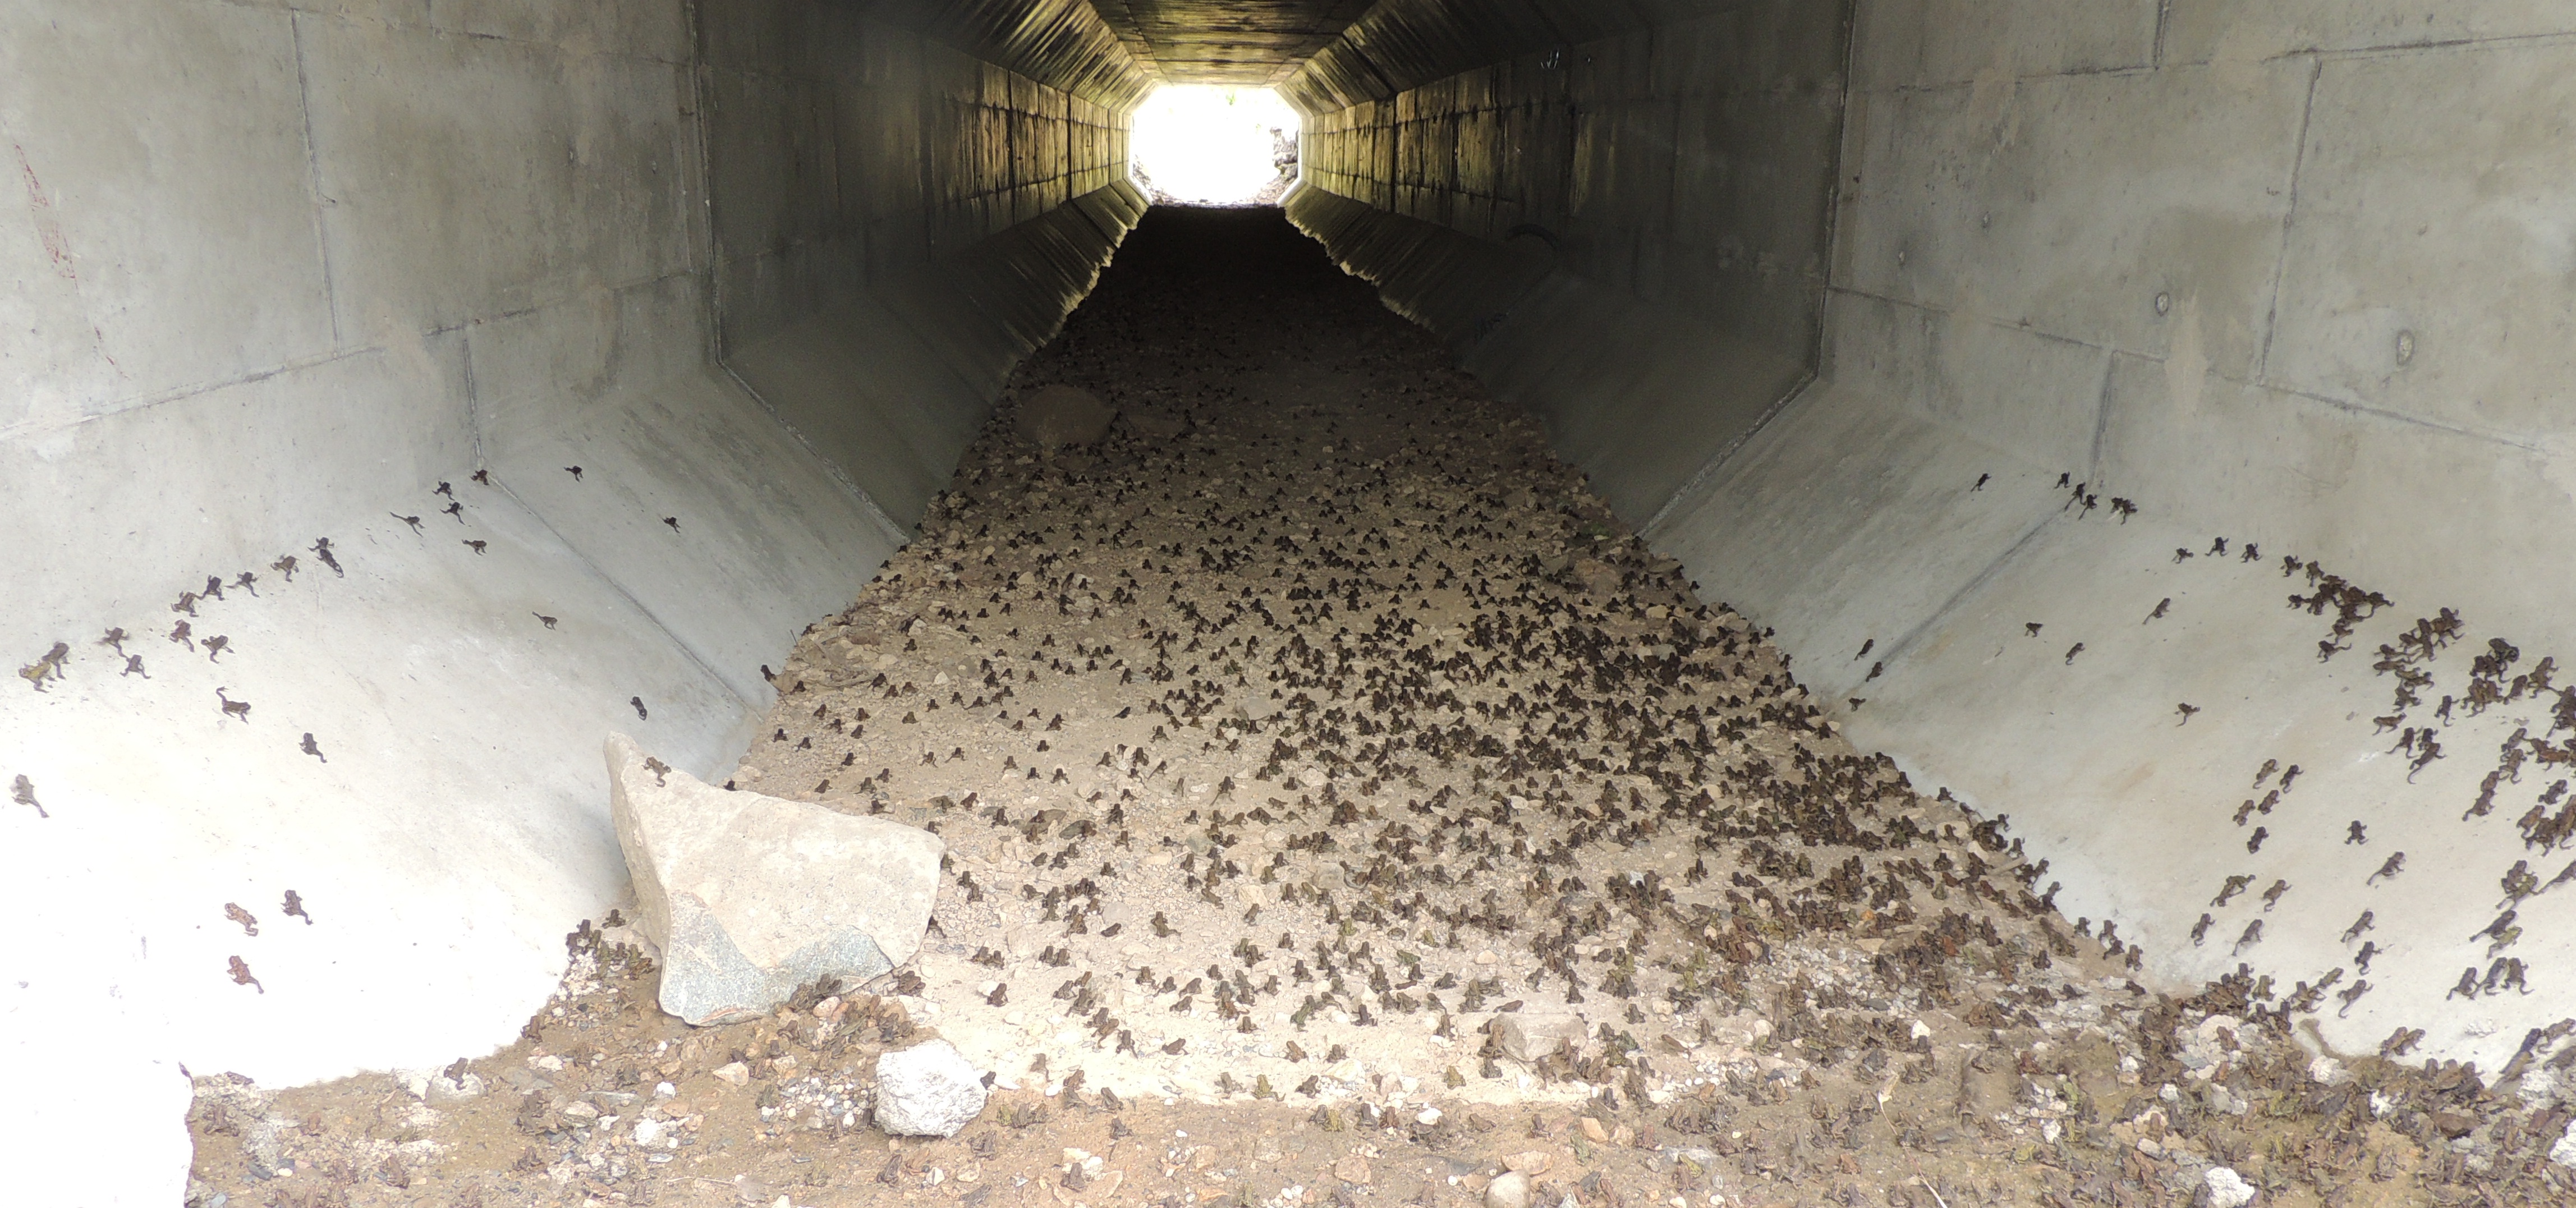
1343, 806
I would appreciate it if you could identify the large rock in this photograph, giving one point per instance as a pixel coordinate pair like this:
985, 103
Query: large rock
1060, 415
928, 1090
1528, 1036
750, 897
2228, 1189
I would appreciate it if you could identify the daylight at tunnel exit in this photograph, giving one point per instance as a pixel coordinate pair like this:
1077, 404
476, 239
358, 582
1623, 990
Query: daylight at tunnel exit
1282, 603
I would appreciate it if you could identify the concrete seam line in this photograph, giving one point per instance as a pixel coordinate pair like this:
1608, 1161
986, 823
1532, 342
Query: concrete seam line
1115, 238
39, 427
1905, 642
704, 236
2524, 444
313, 174
1841, 136
1691, 485
2289, 218
603, 576
2102, 417
830, 467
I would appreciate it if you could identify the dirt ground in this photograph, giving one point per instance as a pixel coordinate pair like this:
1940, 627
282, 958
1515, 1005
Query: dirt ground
1343, 806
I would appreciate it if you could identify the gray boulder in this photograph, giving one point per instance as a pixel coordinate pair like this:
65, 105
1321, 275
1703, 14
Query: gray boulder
1059, 416
750, 897
1257, 706
928, 1090
1528, 1036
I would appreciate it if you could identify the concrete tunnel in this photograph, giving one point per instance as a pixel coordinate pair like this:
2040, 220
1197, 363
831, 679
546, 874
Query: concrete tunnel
1966, 333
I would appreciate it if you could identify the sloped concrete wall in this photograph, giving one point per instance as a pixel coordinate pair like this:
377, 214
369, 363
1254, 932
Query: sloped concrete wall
2277, 273
1659, 190
897, 222
286, 273
2284, 274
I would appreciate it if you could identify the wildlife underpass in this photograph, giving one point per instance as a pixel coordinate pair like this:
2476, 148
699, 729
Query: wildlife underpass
1936, 548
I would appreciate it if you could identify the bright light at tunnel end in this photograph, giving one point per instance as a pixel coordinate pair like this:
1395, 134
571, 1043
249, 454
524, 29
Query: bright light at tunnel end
1213, 145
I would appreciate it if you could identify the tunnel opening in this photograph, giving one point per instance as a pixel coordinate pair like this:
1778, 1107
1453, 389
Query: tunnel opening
401, 400
1212, 145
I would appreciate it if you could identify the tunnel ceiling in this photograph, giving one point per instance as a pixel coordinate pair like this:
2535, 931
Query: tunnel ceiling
1060, 43
1247, 42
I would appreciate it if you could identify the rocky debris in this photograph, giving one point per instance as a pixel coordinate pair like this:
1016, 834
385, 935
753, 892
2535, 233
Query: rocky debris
1531, 1036
2227, 1189
1511, 1189
231, 1106
1061, 416
928, 1090
749, 897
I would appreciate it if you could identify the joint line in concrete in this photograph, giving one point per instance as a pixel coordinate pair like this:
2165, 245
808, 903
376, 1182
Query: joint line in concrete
313, 175
473, 404
1691, 485
2101, 418
2394, 49
1905, 643
180, 394
894, 534
2347, 406
2289, 217
677, 642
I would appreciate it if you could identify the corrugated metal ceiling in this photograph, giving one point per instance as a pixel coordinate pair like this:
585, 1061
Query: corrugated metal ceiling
1245, 42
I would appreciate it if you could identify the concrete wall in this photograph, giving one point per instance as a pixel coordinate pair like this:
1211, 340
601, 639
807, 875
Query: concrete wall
1662, 189
272, 273
897, 222
2294, 275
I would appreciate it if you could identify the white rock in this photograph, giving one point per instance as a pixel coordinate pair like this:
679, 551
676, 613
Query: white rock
2563, 1151
928, 1090
1509, 1190
749, 896
2227, 1189
648, 1132
1256, 706
442, 1089
2539, 1088
1527, 1036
